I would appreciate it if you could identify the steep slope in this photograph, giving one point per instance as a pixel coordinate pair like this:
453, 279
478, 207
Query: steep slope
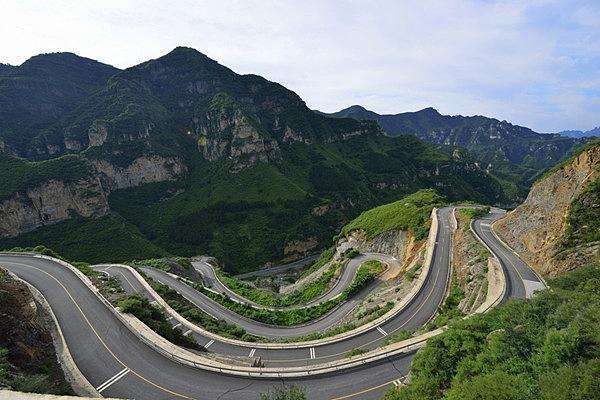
199, 159
514, 153
28, 359
38, 93
558, 227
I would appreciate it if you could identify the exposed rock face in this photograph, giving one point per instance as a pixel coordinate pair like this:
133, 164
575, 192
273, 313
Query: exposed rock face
299, 249
56, 200
537, 227
393, 242
97, 134
25, 332
231, 134
51, 202
141, 171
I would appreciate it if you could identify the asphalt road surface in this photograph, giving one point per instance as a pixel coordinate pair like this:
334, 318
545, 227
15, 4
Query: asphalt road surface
211, 280
116, 362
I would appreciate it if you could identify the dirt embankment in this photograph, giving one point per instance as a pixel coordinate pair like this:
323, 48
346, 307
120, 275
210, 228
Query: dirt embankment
470, 264
28, 360
536, 229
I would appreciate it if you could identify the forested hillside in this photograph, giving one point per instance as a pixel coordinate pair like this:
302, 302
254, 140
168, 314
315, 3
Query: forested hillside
181, 155
515, 154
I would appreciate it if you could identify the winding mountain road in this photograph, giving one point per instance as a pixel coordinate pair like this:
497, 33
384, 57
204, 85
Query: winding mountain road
212, 281
113, 359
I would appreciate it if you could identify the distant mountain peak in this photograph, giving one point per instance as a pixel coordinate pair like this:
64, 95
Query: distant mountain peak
356, 107
429, 111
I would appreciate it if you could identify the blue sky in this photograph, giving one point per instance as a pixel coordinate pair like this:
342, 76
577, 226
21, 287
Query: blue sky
534, 63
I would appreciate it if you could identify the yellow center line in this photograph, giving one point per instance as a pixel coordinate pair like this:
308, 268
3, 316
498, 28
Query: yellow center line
101, 340
138, 374
363, 391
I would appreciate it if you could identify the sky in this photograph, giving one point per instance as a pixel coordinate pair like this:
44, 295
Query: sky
534, 63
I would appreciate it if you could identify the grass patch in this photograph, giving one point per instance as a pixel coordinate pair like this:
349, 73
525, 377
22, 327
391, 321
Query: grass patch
397, 337
449, 310
198, 317
355, 352
412, 272
155, 319
411, 212
542, 348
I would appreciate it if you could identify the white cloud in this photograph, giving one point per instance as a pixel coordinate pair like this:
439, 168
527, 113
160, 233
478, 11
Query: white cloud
524, 61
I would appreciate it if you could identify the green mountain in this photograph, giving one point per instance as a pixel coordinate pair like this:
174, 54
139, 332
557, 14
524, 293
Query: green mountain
38, 93
181, 155
515, 154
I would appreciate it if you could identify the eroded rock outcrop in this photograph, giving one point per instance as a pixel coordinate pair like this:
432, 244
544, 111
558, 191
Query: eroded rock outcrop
57, 200
142, 170
51, 202
394, 243
537, 227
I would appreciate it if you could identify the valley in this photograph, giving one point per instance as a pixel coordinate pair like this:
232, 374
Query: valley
176, 229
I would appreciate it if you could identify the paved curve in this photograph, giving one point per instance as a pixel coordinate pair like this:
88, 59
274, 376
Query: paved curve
413, 316
280, 268
212, 281
102, 347
521, 280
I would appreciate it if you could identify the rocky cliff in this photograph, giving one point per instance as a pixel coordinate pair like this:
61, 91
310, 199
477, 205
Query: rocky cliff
142, 170
393, 242
52, 201
55, 200
540, 229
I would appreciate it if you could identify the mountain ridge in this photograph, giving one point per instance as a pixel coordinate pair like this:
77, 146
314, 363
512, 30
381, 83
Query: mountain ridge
515, 154
181, 155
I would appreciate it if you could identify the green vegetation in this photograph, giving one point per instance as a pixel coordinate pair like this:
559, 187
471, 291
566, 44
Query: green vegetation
411, 212
295, 316
365, 274
474, 213
365, 316
412, 272
355, 352
449, 311
87, 239
546, 348
155, 319
583, 221
193, 314
324, 258
351, 253
303, 295
293, 392
397, 337
176, 265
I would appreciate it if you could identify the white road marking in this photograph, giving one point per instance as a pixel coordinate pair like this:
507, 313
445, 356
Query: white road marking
531, 287
153, 302
112, 380
398, 383
187, 332
207, 345
177, 326
384, 333
485, 224
252, 353
312, 353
